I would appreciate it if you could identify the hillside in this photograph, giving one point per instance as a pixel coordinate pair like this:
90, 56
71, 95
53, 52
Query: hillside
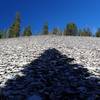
80, 53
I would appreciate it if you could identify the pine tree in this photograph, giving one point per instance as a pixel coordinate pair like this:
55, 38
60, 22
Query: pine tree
27, 31
98, 33
14, 30
45, 29
0, 34
71, 29
85, 32
56, 31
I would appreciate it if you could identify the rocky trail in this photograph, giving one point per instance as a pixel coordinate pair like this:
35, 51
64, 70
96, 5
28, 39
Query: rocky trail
50, 68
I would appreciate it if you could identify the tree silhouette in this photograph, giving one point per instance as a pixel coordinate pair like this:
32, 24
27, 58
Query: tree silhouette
27, 31
45, 29
14, 30
98, 33
71, 29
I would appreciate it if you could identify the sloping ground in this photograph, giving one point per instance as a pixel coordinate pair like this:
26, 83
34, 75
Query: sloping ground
53, 67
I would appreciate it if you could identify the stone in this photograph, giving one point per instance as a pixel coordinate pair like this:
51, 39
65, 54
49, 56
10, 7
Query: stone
34, 97
59, 72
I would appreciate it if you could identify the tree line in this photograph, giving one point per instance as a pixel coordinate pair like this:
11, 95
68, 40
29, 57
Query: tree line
71, 29
14, 29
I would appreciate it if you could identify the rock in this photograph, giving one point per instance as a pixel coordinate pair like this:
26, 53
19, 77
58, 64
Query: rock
82, 89
34, 97
62, 70
98, 69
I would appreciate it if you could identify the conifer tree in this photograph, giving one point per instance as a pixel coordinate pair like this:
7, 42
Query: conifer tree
0, 34
56, 31
71, 29
98, 33
45, 29
14, 30
85, 32
27, 31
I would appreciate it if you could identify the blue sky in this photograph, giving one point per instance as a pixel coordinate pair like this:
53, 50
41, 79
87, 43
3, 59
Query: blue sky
57, 12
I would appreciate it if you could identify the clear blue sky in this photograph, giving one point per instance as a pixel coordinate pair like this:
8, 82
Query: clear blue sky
57, 12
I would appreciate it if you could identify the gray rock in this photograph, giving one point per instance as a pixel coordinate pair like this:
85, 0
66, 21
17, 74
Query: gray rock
34, 97
17, 52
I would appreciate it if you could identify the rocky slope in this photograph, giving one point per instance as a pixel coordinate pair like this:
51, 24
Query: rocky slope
60, 65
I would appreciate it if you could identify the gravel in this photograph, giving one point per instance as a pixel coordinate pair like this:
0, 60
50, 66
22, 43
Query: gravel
18, 54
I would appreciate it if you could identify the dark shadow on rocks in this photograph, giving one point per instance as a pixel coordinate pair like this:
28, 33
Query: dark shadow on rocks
53, 76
